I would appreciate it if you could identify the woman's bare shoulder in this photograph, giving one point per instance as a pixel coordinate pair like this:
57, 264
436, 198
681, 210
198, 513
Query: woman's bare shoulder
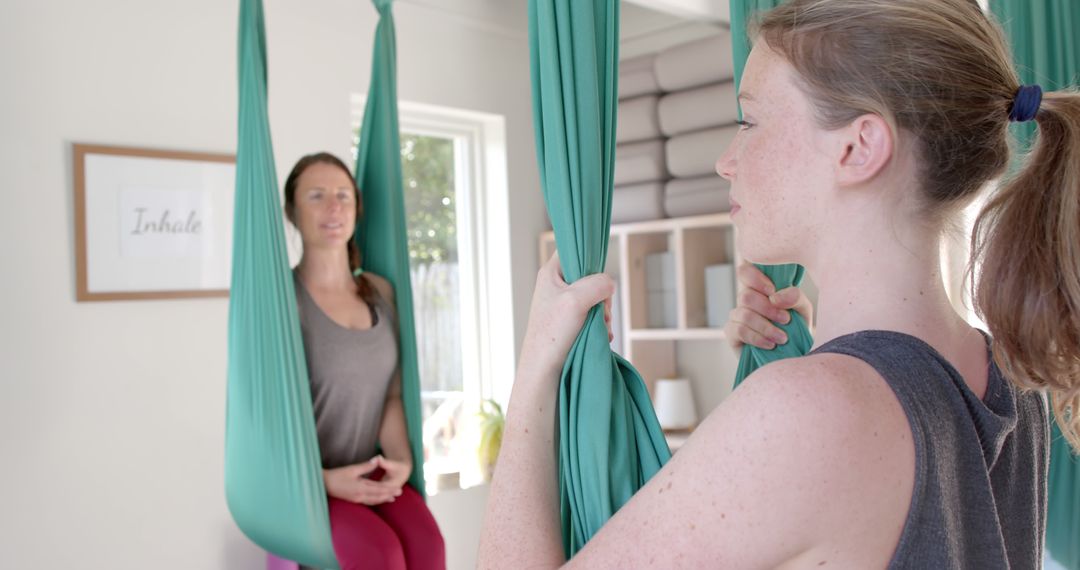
806, 448
833, 433
842, 397
381, 284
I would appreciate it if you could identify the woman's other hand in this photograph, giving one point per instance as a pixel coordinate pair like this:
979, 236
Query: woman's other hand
558, 312
761, 308
395, 473
352, 483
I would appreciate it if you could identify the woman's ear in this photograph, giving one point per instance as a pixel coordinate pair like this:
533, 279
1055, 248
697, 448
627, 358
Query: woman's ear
866, 148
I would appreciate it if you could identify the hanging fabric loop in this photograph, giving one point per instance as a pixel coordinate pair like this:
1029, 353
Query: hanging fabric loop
610, 442
273, 470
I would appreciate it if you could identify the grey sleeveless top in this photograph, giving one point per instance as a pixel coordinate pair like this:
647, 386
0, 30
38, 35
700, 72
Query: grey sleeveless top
979, 499
350, 372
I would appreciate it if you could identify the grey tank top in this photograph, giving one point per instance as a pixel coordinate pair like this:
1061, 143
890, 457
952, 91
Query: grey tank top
350, 372
979, 499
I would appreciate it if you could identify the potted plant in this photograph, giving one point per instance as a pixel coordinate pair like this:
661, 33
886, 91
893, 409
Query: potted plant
492, 421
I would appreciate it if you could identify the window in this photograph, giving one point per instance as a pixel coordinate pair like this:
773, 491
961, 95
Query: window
454, 174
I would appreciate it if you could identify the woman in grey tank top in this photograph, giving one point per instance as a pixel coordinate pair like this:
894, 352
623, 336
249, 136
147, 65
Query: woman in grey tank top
350, 337
905, 439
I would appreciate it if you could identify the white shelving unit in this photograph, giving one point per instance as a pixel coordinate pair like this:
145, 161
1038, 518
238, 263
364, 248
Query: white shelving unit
691, 348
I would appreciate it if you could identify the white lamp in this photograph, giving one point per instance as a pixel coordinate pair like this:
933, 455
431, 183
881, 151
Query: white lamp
674, 402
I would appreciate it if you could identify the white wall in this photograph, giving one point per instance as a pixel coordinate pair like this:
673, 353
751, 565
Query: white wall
112, 414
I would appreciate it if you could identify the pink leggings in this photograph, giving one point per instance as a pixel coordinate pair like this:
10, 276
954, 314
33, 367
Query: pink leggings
392, 536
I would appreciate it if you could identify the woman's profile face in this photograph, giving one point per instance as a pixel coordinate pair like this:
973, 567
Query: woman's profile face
778, 164
324, 206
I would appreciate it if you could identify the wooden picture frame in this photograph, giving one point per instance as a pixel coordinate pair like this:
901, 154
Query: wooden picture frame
152, 224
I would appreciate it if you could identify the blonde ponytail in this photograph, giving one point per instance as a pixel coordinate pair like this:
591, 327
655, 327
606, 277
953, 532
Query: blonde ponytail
1027, 240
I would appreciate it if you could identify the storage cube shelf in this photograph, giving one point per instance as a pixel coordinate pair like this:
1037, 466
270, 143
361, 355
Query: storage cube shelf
695, 243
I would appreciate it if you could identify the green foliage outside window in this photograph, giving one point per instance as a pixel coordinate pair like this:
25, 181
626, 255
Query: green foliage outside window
430, 207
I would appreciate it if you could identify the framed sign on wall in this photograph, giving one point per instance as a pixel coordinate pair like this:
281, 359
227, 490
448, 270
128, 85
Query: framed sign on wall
152, 224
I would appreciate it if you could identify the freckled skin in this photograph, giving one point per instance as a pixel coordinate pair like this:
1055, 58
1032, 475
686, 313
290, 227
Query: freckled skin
775, 165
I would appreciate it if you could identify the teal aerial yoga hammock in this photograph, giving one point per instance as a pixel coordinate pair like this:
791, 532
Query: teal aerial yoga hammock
610, 442
783, 276
381, 235
273, 471
1045, 39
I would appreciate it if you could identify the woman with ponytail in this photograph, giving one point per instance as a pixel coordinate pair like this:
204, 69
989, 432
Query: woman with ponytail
348, 321
906, 438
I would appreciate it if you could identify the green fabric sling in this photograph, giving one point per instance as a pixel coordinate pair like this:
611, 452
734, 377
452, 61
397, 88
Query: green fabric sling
273, 476
381, 235
273, 472
800, 340
610, 442
1045, 38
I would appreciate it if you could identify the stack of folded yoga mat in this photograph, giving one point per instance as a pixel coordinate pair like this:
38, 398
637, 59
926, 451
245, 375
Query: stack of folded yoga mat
640, 167
677, 113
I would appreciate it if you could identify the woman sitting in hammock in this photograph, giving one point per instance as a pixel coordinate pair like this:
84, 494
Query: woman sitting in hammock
898, 442
349, 326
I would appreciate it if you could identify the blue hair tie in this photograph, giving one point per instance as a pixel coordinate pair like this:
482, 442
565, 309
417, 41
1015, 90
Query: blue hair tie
356, 272
1026, 103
